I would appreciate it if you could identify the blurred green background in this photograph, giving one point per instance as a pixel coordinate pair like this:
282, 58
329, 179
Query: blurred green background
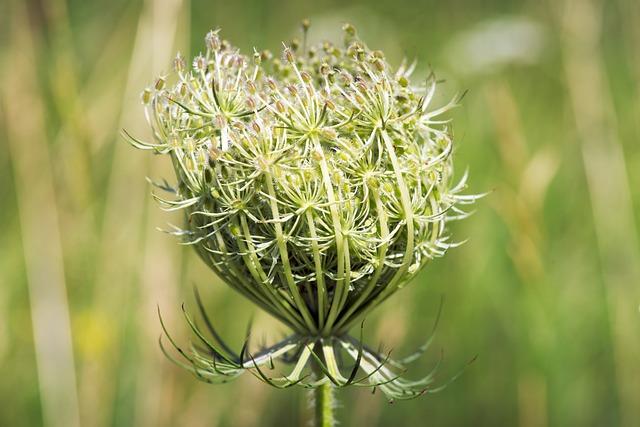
546, 292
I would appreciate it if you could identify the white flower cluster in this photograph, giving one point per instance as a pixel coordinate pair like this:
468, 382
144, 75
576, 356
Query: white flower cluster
316, 184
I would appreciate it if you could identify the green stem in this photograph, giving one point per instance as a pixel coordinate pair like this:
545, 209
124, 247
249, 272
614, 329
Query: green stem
324, 405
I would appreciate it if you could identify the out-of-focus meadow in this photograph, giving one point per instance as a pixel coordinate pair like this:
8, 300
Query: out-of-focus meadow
546, 291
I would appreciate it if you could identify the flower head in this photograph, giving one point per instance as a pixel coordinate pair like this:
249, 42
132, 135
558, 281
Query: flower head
316, 184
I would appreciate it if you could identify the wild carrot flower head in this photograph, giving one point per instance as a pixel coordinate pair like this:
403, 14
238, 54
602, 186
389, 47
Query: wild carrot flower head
316, 183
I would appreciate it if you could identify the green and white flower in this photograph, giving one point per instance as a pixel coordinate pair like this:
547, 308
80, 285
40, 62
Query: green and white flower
316, 185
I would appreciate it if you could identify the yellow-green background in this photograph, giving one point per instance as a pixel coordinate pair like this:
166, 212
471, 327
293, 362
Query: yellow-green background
546, 291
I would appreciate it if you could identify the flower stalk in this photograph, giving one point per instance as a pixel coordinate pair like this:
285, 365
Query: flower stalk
324, 397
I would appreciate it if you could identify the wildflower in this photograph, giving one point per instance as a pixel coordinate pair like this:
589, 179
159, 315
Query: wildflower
315, 197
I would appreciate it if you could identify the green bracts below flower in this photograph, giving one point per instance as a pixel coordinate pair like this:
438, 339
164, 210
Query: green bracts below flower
316, 185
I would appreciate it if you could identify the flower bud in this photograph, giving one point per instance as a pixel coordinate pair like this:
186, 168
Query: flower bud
310, 184
293, 90
349, 30
346, 77
174, 141
200, 63
160, 81
287, 55
325, 69
257, 57
178, 63
329, 134
251, 87
266, 55
306, 77
212, 41
146, 96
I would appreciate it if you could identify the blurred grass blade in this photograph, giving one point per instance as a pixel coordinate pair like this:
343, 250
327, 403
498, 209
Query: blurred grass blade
40, 232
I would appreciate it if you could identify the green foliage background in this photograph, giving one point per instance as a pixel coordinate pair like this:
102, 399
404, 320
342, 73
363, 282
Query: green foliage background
546, 291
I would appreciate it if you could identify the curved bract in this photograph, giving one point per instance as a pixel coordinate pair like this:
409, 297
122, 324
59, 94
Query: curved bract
316, 184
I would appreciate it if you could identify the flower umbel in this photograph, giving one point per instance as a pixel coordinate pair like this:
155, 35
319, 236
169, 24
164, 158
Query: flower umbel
316, 185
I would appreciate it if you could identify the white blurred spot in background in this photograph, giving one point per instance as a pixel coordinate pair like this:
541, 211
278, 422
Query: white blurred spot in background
496, 43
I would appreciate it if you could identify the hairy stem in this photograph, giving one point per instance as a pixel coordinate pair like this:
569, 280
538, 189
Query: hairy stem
324, 397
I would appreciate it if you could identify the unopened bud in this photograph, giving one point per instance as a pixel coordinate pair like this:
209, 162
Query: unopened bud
178, 63
349, 29
287, 55
329, 134
160, 81
212, 40
174, 141
189, 144
200, 63
201, 157
146, 96
292, 90
251, 87
347, 78
306, 77
378, 64
257, 57
325, 69
372, 182
266, 55
189, 164
235, 230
